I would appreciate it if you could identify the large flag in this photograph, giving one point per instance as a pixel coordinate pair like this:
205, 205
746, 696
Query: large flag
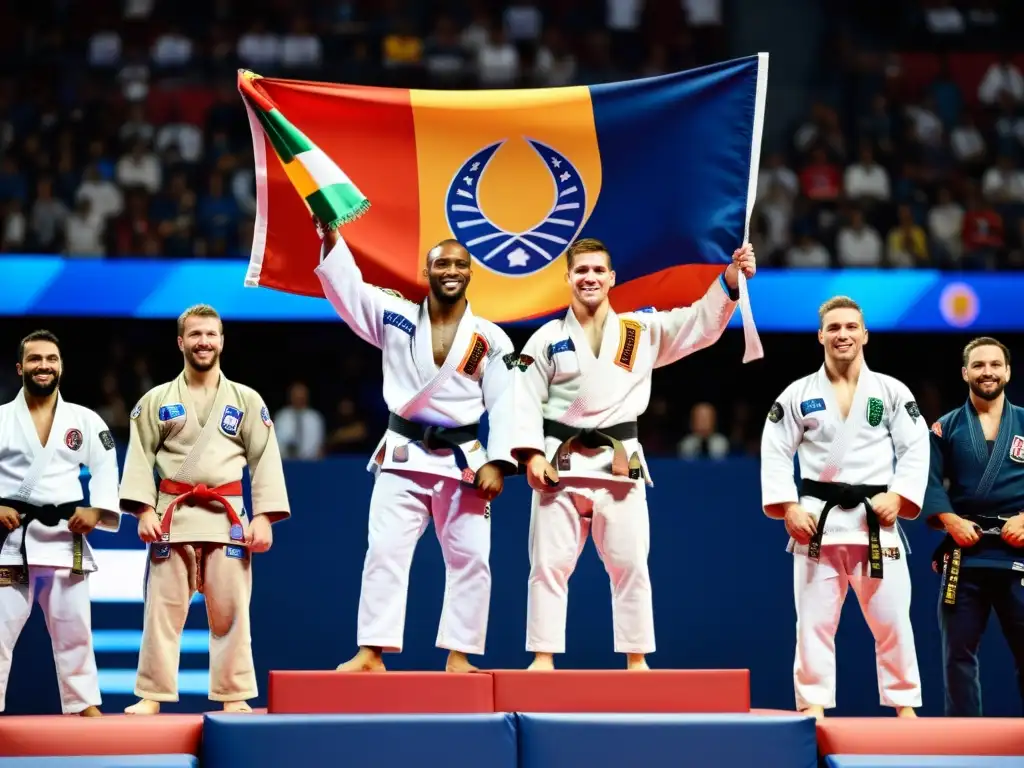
663, 170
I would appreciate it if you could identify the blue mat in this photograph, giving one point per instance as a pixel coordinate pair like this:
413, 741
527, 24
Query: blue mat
340, 741
103, 761
667, 741
922, 761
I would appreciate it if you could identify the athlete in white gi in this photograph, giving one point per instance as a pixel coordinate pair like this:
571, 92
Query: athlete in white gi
583, 381
44, 442
848, 425
443, 369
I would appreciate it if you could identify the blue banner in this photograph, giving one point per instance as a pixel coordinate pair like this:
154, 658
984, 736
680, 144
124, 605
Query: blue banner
783, 300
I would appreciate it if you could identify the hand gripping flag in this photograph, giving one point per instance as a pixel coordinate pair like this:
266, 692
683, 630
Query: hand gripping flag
663, 170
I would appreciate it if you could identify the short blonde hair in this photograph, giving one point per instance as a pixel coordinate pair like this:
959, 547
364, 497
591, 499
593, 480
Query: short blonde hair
586, 245
198, 310
838, 302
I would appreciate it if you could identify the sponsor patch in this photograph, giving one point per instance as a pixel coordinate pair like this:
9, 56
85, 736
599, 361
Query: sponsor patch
775, 413
475, 355
235, 552
522, 362
136, 411
172, 411
876, 409
401, 454
265, 416
812, 405
565, 345
1017, 449
647, 310
891, 553
107, 440
937, 428
161, 551
401, 322
231, 420
629, 343
73, 439
913, 410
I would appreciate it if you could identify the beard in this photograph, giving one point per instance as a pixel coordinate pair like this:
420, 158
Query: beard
197, 365
40, 390
986, 395
446, 298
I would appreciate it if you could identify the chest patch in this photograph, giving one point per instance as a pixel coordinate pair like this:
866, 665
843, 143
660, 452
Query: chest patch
230, 420
812, 405
1017, 449
629, 343
876, 409
478, 349
73, 439
172, 411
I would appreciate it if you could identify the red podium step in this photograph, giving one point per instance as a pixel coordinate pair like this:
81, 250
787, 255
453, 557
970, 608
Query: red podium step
975, 736
302, 692
663, 690
59, 735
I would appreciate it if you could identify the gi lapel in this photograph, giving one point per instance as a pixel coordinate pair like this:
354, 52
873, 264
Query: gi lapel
423, 354
597, 392
845, 430
993, 462
207, 431
41, 454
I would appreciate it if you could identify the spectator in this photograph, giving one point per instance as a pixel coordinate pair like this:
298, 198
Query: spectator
866, 182
704, 440
497, 61
945, 226
983, 232
808, 252
300, 428
907, 246
1001, 77
48, 219
84, 231
859, 244
140, 168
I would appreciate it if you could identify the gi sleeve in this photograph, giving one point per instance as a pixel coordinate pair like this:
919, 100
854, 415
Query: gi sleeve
532, 372
780, 439
936, 498
360, 305
496, 382
266, 469
103, 494
685, 330
912, 448
138, 486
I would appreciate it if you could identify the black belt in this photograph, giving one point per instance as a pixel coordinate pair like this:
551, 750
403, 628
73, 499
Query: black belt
591, 438
437, 438
49, 515
951, 555
848, 497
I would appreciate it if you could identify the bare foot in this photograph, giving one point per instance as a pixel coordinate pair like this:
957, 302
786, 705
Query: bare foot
636, 661
457, 662
543, 661
91, 712
236, 706
818, 713
365, 660
905, 712
143, 707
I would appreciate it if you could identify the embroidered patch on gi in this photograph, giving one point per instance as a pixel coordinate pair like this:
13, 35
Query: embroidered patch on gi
937, 428
73, 439
522, 362
891, 553
468, 476
107, 440
265, 416
231, 419
235, 552
875, 411
1017, 566
647, 310
172, 411
487, 511
401, 322
1017, 449
136, 411
629, 343
474, 355
388, 291
565, 345
812, 405
775, 413
400, 454
161, 551
913, 410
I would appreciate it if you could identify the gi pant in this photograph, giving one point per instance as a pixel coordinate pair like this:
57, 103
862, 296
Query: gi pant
64, 598
401, 505
226, 585
979, 591
617, 515
820, 590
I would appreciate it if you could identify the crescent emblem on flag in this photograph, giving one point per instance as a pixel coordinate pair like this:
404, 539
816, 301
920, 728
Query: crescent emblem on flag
516, 253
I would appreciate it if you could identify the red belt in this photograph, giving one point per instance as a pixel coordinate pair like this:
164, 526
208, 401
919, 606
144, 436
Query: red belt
201, 493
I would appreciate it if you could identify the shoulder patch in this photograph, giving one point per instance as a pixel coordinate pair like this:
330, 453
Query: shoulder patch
775, 413
136, 411
913, 410
388, 291
107, 440
646, 310
937, 428
401, 322
265, 416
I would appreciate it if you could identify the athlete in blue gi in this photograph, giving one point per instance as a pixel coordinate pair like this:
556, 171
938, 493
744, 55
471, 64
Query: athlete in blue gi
979, 448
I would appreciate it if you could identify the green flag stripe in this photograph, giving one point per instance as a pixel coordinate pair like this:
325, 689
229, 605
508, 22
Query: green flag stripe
337, 204
276, 140
292, 140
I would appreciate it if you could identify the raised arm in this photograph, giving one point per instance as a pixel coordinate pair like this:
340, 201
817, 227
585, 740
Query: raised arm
364, 308
266, 470
685, 330
138, 492
499, 398
779, 441
910, 442
103, 494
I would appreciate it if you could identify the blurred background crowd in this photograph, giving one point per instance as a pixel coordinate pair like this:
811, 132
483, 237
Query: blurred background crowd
894, 138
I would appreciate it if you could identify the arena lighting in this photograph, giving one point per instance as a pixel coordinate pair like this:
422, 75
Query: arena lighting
782, 299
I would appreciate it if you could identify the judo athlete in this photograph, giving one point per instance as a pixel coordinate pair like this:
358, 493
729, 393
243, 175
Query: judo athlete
849, 426
979, 449
442, 370
581, 382
199, 431
44, 553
